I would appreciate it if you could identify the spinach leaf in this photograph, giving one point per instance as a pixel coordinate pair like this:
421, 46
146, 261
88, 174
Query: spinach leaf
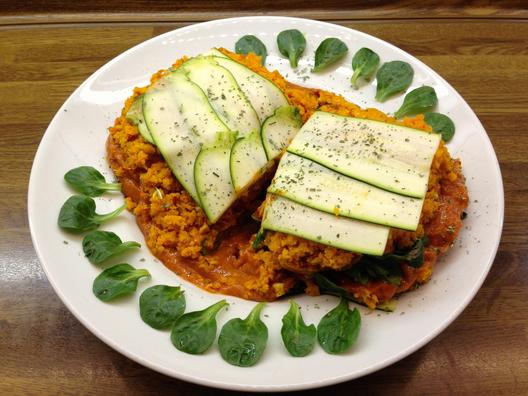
195, 332
116, 281
298, 288
417, 101
441, 124
326, 286
415, 256
358, 274
298, 338
242, 341
259, 239
339, 328
250, 43
364, 63
161, 305
78, 214
374, 268
393, 77
329, 52
89, 181
291, 44
210, 246
99, 246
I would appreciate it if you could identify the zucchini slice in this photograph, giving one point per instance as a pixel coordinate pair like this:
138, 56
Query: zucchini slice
180, 121
215, 52
247, 161
213, 181
263, 94
308, 183
135, 116
223, 93
290, 217
279, 129
392, 157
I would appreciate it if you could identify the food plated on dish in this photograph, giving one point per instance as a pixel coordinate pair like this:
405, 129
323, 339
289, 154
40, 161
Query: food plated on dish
77, 137
248, 185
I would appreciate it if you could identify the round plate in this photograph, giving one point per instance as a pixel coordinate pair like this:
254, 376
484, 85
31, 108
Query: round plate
77, 135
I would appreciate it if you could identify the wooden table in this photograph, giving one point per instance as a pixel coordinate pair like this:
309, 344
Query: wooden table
47, 48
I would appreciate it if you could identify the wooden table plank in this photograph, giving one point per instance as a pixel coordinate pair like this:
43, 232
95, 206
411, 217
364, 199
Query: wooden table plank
44, 349
46, 11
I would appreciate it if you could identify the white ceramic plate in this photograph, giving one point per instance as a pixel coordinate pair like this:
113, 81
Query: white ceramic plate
77, 135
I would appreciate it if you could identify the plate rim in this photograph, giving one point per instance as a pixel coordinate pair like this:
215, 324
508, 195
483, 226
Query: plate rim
259, 388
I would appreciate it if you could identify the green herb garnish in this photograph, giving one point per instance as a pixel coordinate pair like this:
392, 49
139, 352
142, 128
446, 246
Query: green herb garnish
291, 44
78, 214
195, 332
161, 305
392, 78
364, 63
329, 52
250, 43
441, 124
417, 101
99, 246
119, 280
89, 181
339, 328
242, 341
298, 338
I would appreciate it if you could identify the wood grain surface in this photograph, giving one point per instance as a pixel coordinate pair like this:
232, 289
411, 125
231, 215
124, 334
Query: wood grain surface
481, 49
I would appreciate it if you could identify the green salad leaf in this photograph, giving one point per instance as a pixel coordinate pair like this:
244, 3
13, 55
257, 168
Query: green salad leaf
441, 124
297, 336
250, 43
116, 281
89, 181
242, 341
78, 214
161, 305
195, 332
330, 51
291, 44
417, 101
392, 78
364, 63
99, 246
339, 329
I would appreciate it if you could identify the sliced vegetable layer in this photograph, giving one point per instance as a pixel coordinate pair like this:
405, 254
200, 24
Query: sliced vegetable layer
247, 161
205, 117
263, 94
290, 217
223, 93
279, 129
213, 179
308, 183
135, 116
392, 157
181, 121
